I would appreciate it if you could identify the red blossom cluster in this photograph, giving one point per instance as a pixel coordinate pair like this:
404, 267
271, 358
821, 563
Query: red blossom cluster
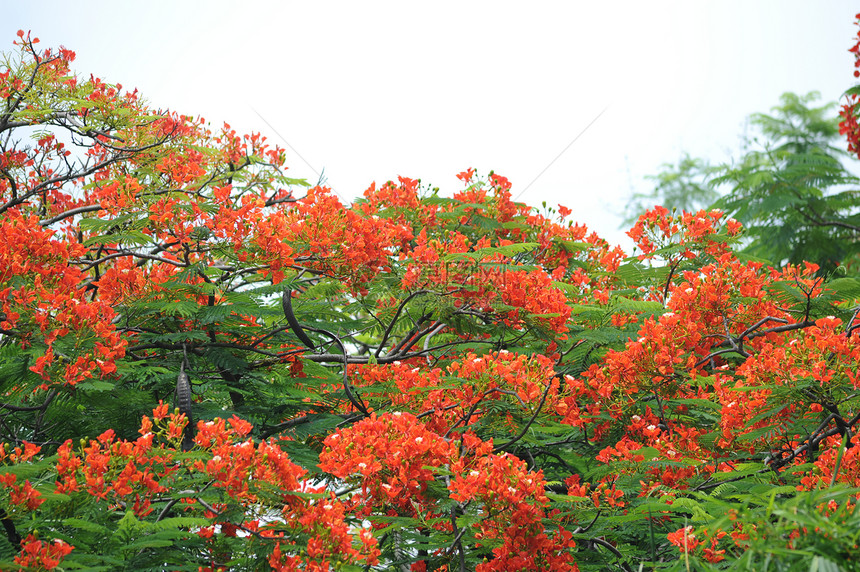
848, 125
331, 541
391, 457
23, 495
525, 382
687, 541
394, 458
38, 555
513, 502
343, 243
134, 473
50, 305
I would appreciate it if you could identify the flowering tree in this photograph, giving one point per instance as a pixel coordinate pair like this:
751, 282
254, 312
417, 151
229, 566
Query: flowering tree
206, 364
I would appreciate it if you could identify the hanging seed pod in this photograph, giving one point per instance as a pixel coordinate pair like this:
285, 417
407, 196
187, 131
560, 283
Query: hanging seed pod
9, 526
287, 303
183, 403
183, 393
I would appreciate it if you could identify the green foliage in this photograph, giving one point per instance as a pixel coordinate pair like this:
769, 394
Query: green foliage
461, 381
792, 188
685, 186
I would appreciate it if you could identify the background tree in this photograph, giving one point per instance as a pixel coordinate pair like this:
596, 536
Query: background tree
685, 186
792, 187
793, 190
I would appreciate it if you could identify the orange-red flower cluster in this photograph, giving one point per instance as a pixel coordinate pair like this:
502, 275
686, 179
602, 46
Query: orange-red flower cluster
37, 555
848, 125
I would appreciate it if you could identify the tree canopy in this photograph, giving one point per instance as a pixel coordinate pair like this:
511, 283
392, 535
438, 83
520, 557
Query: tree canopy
208, 365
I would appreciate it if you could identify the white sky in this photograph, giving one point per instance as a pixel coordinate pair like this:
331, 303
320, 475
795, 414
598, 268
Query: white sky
370, 90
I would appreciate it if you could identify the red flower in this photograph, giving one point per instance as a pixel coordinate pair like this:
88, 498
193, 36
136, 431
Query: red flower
38, 555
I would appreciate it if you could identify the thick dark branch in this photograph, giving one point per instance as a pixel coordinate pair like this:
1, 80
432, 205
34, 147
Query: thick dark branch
775, 464
4, 119
316, 358
273, 202
525, 428
287, 305
817, 437
266, 432
347, 388
337, 358
851, 326
55, 116
732, 344
59, 179
196, 347
70, 213
412, 336
395, 318
780, 329
839, 224
40, 407
759, 324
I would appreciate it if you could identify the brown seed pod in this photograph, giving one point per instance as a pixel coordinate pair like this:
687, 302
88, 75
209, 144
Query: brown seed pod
183, 403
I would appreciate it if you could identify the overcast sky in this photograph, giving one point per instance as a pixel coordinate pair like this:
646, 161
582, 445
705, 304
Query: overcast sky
370, 90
